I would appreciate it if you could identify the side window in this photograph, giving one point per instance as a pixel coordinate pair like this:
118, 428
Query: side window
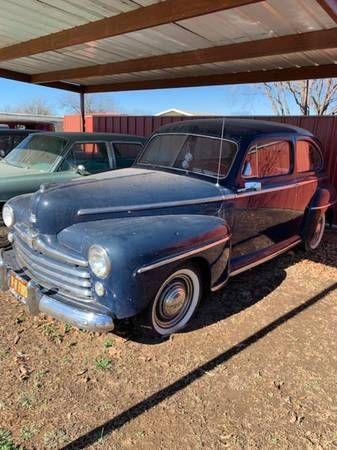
92, 155
308, 157
268, 160
274, 159
126, 153
250, 169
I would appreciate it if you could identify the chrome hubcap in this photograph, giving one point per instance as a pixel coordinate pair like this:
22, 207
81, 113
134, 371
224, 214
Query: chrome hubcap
173, 299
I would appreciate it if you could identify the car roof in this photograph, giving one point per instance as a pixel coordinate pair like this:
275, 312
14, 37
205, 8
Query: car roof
14, 131
234, 129
79, 136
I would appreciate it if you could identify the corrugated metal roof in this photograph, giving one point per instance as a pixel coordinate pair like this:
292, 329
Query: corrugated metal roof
21, 20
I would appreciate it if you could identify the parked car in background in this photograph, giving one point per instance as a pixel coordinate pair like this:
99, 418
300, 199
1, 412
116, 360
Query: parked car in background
58, 157
10, 138
206, 200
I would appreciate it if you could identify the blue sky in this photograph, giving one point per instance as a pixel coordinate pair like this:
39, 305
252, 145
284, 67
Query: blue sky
238, 99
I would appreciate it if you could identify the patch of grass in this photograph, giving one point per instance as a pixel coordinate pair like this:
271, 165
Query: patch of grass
108, 343
27, 433
103, 364
67, 327
26, 401
55, 439
4, 352
51, 332
6, 441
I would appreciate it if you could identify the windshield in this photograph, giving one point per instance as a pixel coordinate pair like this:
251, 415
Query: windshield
198, 154
38, 152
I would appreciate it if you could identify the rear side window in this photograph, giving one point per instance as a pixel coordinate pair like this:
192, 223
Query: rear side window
126, 153
309, 157
268, 160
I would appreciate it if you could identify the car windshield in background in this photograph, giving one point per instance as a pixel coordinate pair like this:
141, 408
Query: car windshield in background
197, 154
38, 152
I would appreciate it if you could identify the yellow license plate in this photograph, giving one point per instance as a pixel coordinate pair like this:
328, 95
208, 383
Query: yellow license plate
18, 286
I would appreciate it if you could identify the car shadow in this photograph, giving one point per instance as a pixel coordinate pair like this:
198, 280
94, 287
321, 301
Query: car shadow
246, 289
119, 420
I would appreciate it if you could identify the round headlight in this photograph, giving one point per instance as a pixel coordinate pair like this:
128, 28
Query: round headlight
8, 216
99, 261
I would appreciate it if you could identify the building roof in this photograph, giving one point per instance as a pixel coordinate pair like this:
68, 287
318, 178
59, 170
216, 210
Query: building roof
115, 45
233, 128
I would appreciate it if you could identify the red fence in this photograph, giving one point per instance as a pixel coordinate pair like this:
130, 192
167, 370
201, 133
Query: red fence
325, 128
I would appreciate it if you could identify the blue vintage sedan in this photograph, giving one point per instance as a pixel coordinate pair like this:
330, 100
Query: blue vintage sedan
206, 200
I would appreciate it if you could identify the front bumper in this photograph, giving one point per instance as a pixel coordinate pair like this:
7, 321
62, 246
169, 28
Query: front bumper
37, 302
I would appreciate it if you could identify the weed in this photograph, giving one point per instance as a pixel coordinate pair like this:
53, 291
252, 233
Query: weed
55, 439
26, 401
103, 364
6, 442
27, 433
4, 352
67, 327
51, 332
108, 343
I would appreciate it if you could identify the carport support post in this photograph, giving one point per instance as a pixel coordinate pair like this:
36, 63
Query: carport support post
82, 107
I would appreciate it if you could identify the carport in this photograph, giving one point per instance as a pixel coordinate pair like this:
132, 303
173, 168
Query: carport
118, 45
258, 367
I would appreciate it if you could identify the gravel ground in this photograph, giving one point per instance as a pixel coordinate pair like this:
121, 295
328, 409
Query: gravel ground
256, 369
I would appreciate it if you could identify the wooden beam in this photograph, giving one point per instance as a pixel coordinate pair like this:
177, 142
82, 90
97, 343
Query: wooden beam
330, 6
26, 78
260, 76
17, 76
139, 19
252, 49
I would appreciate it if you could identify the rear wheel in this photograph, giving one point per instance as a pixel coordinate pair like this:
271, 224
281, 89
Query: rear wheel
174, 304
313, 241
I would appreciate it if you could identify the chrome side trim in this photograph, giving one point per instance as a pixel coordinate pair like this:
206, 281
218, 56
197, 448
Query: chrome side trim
217, 287
278, 188
265, 259
181, 256
118, 209
323, 206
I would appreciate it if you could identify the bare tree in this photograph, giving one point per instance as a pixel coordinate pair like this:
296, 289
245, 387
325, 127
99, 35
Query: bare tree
36, 106
70, 103
311, 97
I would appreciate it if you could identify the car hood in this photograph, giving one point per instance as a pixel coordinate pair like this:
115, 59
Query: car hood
122, 193
8, 170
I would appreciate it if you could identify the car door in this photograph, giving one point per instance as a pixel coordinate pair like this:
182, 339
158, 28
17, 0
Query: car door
309, 166
265, 212
92, 157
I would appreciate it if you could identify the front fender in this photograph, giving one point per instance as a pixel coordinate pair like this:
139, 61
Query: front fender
145, 250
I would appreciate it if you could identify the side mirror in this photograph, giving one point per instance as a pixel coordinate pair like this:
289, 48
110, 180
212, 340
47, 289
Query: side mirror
251, 186
81, 170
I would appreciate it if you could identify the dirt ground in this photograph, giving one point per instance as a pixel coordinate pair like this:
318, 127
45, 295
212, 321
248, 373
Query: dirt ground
256, 369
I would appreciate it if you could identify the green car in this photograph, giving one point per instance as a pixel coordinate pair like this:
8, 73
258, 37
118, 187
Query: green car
48, 157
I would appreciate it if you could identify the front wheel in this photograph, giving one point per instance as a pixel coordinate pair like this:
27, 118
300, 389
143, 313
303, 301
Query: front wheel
313, 241
175, 303
4, 242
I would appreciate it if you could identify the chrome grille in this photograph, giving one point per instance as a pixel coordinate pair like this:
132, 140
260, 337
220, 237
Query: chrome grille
68, 279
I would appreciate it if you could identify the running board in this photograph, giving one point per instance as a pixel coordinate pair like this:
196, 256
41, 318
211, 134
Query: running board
256, 263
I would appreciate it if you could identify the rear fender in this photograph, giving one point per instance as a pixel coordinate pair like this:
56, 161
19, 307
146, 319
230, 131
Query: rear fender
322, 202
